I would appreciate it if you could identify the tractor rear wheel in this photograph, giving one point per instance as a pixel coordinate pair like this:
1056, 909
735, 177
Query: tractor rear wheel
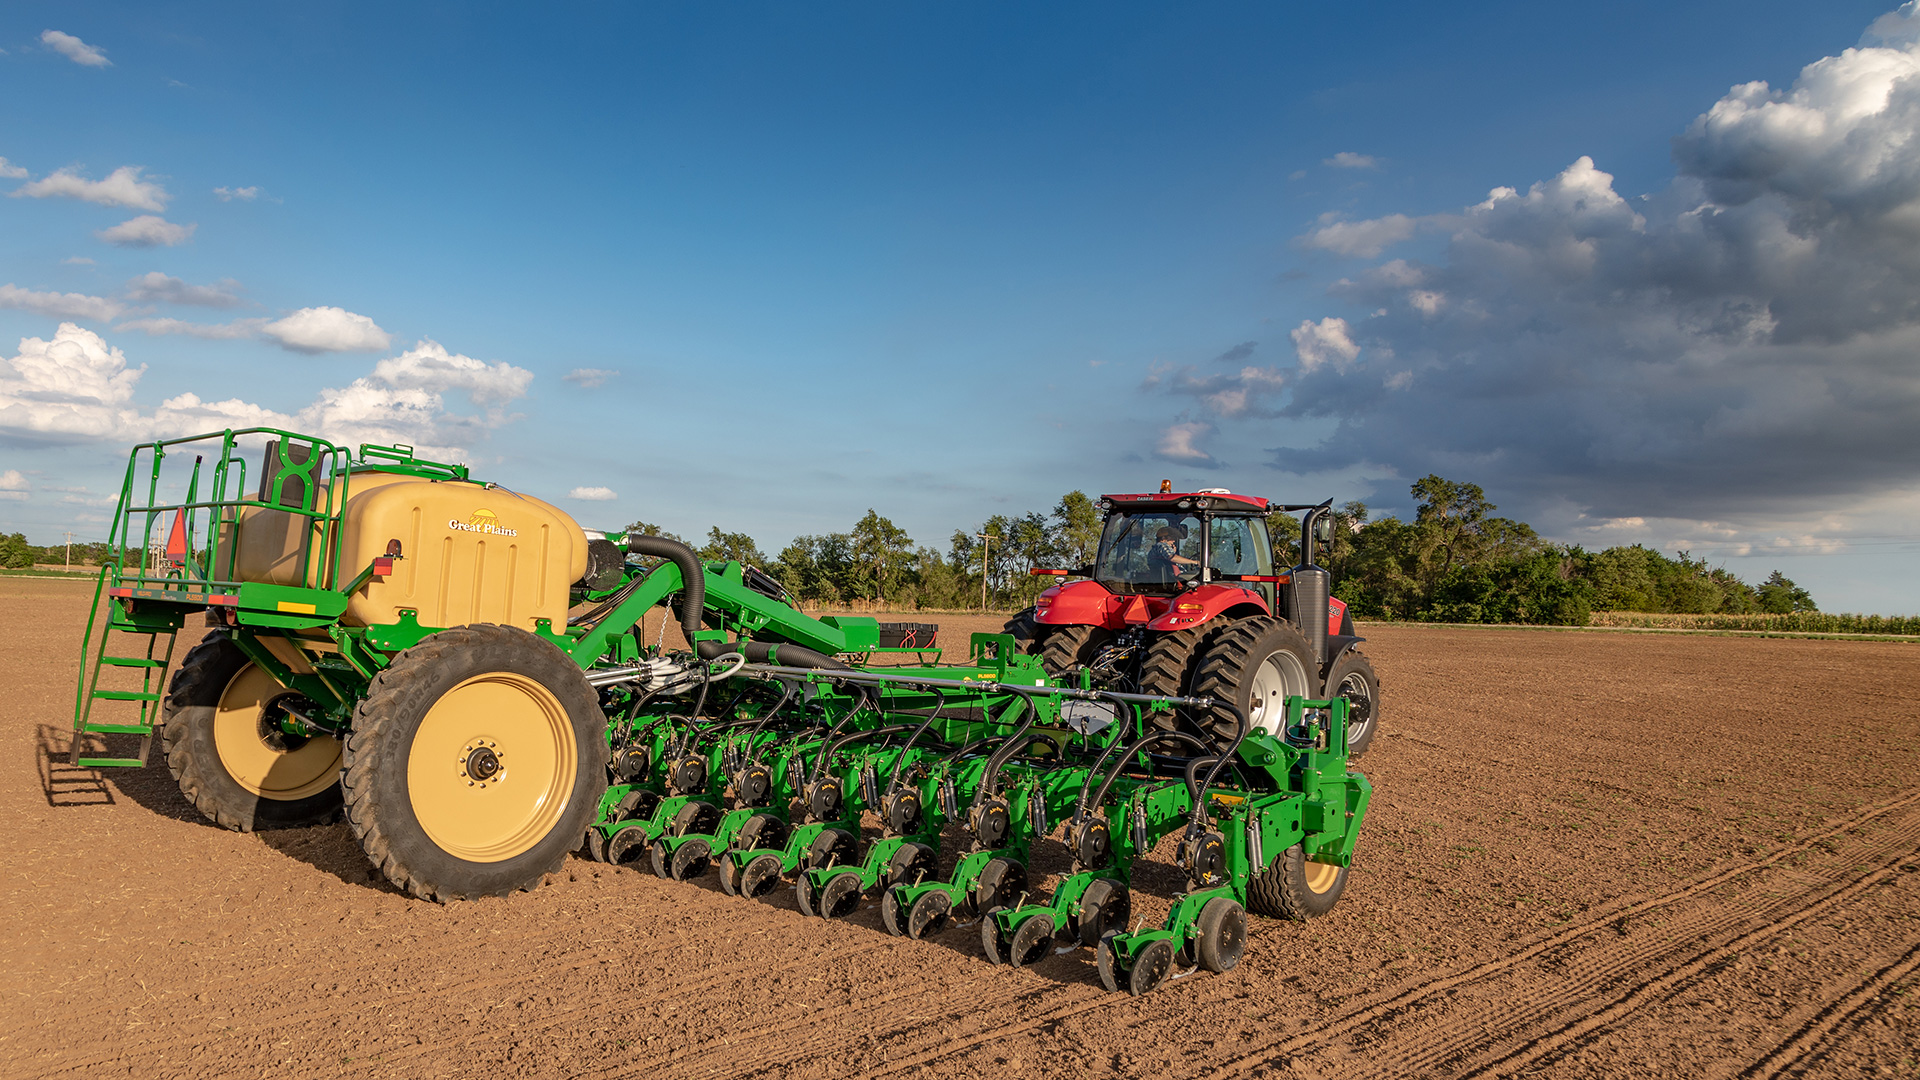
477, 758
1024, 629
1352, 678
1257, 665
1295, 887
232, 760
1170, 661
1067, 649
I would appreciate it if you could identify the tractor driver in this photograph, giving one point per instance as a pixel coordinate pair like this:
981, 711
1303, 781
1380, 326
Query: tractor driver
1164, 556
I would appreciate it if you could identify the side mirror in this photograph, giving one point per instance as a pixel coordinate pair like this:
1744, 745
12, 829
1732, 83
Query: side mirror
1323, 529
1083, 571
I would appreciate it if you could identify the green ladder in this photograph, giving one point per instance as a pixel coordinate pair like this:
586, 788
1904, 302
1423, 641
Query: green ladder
152, 667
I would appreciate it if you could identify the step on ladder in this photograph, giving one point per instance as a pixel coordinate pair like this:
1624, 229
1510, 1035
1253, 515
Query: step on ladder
153, 668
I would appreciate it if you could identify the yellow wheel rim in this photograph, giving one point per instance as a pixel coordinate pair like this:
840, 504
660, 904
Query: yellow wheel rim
1321, 876
253, 763
492, 767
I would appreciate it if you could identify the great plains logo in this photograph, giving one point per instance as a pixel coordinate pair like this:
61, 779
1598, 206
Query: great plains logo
482, 521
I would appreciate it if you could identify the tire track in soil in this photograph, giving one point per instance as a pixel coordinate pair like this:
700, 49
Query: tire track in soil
1476, 1040
1842, 1012
1403, 1000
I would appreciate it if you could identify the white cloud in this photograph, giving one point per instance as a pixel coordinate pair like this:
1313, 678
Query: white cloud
13, 485
244, 194
327, 329
156, 287
1739, 342
593, 494
77, 388
75, 50
238, 328
1347, 159
1179, 443
122, 187
70, 388
429, 366
10, 171
147, 230
1360, 238
77, 260
588, 377
1329, 340
59, 305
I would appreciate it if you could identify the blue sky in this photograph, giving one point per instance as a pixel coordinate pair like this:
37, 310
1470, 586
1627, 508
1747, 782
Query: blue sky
950, 261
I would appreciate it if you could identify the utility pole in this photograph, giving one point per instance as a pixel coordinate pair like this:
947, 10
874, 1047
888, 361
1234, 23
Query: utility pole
986, 545
69, 549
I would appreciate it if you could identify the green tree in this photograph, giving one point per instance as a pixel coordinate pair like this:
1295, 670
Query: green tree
1076, 529
731, 547
1779, 595
882, 555
15, 552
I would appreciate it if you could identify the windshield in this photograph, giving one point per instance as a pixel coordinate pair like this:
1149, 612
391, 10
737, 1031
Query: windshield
1149, 553
1156, 553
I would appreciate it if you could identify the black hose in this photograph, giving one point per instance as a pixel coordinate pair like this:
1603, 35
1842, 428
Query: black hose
693, 577
782, 653
1107, 781
893, 778
1240, 736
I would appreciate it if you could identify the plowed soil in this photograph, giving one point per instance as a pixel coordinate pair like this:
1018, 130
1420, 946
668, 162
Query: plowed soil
1589, 854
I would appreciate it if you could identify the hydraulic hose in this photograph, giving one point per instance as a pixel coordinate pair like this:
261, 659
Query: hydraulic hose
1106, 781
773, 652
693, 578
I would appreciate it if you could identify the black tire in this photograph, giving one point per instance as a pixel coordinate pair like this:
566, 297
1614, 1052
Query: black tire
1067, 649
1223, 934
1352, 678
493, 679
1024, 628
1294, 888
1261, 657
1170, 661
208, 705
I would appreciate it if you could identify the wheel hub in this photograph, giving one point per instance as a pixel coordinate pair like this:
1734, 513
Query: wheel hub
482, 763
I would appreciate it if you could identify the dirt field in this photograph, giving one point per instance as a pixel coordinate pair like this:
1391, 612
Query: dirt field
1594, 855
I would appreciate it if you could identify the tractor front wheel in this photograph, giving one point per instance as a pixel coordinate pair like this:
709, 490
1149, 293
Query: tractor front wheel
229, 754
1352, 678
476, 761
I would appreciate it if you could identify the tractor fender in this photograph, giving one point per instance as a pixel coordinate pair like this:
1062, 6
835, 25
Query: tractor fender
1337, 646
1209, 602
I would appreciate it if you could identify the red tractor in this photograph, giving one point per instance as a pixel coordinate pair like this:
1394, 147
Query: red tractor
1183, 598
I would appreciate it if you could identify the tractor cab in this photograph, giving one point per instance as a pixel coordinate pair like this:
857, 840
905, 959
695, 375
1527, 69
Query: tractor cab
1160, 545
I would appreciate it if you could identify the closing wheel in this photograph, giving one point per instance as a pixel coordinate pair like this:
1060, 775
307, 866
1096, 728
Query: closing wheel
761, 831
833, 847
911, 864
1296, 888
228, 750
1103, 962
1031, 941
991, 943
627, 847
1001, 884
1352, 678
929, 914
840, 896
760, 875
596, 845
890, 913
1223, 934
1151, 967
803, 894
1104, 906
476, 760
1257, 665
690, 860
657, 859
729, 874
